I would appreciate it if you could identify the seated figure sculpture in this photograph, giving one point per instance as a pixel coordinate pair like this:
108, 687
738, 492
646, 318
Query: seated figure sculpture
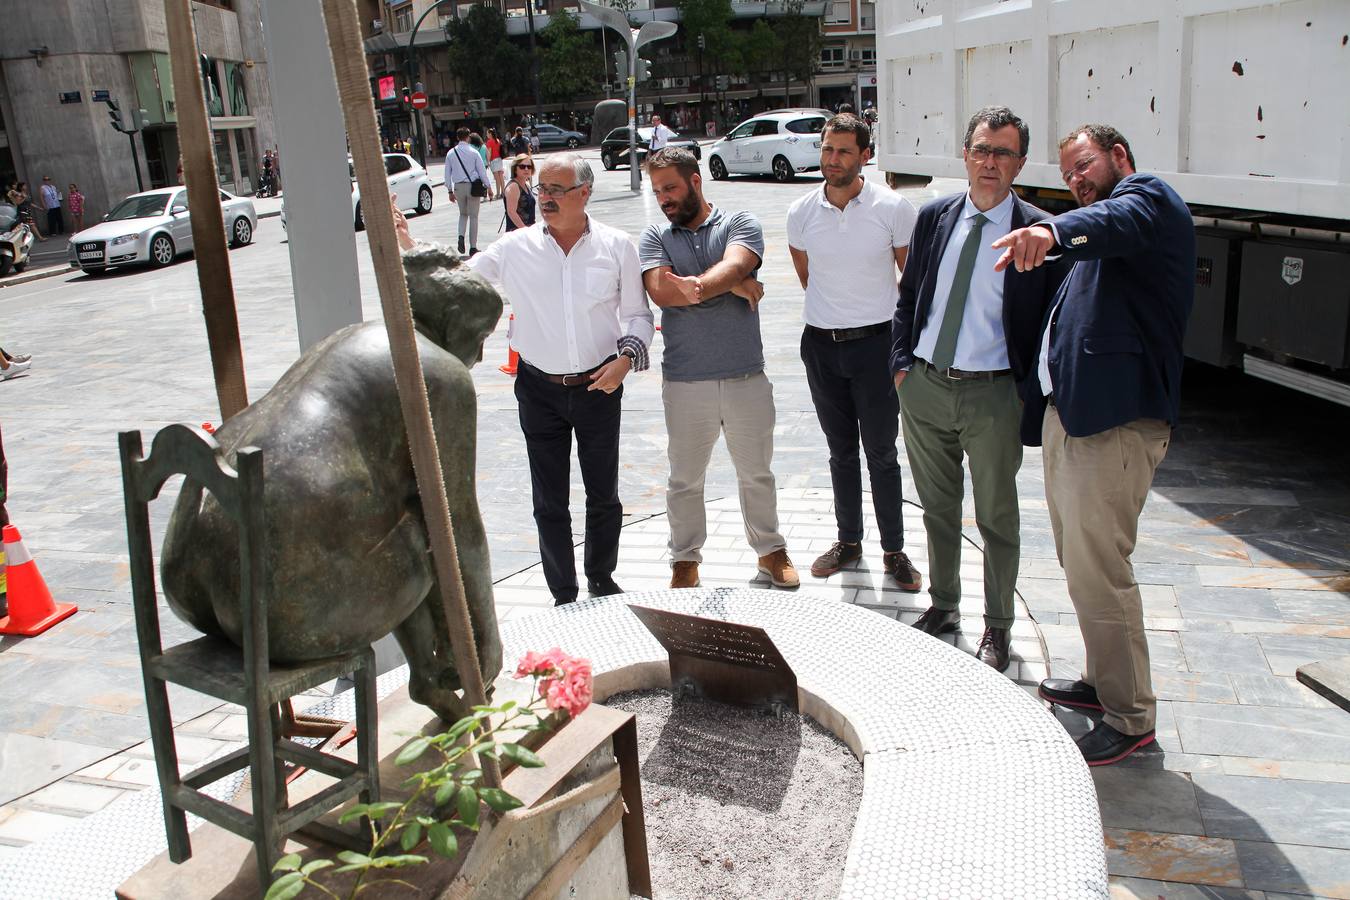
347, 544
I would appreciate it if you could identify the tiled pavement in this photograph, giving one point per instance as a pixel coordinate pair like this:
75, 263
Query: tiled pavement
1244, 555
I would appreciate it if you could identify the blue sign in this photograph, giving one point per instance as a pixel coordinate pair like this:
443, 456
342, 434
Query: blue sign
99, 97
70, 96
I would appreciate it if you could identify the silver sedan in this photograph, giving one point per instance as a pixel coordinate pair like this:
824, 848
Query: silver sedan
154, 228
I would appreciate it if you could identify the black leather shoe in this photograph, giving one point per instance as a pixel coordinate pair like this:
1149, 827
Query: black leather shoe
993, 649
602, 587
1063, 692
461, 245
936, 621
1104, 745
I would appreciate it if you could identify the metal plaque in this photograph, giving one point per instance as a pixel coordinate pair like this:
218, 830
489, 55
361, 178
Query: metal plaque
99, 96
724, 661
70, 96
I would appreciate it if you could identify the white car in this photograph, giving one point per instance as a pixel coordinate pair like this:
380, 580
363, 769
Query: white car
408, 181
154, 228
780, 143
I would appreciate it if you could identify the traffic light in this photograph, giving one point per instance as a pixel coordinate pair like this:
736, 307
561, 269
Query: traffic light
702, 42
621, 64
115, 115
405, 98
644, 69
138, 119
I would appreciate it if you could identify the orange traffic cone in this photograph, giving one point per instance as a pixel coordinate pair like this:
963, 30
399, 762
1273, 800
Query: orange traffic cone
512, 357
31, 607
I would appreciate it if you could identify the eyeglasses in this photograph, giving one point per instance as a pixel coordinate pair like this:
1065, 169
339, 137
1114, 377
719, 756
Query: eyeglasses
980, 152
549, 190
1079, 168
524, 166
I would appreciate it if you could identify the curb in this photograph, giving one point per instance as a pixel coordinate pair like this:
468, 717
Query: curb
16, 280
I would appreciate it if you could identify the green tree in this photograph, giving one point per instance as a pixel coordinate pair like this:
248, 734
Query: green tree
761, 49
483, 58
800, 41
712, 19
571, 64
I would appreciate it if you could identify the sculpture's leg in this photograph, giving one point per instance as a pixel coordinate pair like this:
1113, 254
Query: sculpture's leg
432, 680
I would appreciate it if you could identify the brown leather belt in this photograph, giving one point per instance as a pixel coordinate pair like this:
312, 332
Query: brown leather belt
839, 335
965, 375
575, 379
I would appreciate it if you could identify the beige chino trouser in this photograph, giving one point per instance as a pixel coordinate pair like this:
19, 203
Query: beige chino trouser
1095, 487
696, 413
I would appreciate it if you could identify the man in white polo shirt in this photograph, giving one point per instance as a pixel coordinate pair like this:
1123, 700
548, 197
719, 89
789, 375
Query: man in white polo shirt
582, 323
847, 240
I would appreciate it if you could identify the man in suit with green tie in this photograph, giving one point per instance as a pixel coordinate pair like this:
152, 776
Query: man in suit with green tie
963, 341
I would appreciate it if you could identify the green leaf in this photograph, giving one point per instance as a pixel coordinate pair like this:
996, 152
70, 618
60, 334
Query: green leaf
412, 836
444, 793
467, 803
380, 810
355, 812
461, 728
471, 777
399, 861
508, 706
443, 840
288, 863
498, 799
522, 756
352, 858
310, 868
286, 887
415, 748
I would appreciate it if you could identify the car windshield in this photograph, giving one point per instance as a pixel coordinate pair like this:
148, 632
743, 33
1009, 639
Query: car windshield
139, 207
8, 216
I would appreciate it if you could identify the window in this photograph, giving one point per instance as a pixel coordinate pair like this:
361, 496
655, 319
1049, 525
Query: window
234, 78
618, 134
812, 125
394, 164
868, 56
764, 129
403, 19
838, 12
742, 131
832, 57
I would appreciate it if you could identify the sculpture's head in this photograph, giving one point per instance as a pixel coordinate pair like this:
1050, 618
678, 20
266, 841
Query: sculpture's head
452, 306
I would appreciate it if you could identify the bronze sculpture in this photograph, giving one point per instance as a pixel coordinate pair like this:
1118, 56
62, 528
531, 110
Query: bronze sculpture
348, 547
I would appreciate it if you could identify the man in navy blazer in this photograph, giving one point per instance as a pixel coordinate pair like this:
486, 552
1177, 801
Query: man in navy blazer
1103, 401
963, 339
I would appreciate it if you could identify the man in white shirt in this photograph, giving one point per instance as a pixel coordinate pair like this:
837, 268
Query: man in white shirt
964, 339
464, 165
582, 323
660, 134
846, 240
51, 202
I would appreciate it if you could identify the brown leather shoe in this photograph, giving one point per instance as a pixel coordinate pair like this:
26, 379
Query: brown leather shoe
993, 650
835, 558
780, 569
684, 574
936, 621
897, 565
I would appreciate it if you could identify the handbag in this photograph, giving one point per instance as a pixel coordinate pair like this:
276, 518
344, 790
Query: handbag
476, 186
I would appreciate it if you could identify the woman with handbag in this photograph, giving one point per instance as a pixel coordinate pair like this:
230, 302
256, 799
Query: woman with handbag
519, 197
495, 154
466, 180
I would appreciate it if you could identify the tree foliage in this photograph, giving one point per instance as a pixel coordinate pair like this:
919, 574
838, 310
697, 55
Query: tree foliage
571, 63
712, 19
799, 41
483, 58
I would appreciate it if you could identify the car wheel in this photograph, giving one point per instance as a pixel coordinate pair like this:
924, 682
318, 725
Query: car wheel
573, 143
241, 235
161, 251
717, 168
4, 266
424, 201
360, 220
782, 169
607, 159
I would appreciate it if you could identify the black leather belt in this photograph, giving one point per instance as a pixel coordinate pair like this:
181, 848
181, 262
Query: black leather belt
965, 374
575, 379
839, 335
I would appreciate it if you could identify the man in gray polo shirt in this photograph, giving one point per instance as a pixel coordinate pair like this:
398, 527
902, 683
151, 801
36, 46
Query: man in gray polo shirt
700, 270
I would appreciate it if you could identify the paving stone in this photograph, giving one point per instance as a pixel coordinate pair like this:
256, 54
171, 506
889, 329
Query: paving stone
1273, 690
1287, 652
1228, 603
1172, 857
1147, 800
1286, 812
1203, 687
1320, 871
1297, 770
28, 763
25, 826
1223, 653
68, 796
1313, 606
1148, 889
1261, 731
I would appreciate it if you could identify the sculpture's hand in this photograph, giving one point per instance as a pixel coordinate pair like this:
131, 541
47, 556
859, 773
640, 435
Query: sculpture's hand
405, 240
608, 377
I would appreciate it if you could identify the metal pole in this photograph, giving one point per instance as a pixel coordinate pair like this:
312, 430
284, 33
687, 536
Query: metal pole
135, 161
409, 66
634, 171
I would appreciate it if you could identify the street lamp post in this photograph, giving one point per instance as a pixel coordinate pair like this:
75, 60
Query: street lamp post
410, 69
633, 39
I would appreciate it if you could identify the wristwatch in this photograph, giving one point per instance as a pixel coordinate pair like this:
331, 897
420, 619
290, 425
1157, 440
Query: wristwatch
630, 353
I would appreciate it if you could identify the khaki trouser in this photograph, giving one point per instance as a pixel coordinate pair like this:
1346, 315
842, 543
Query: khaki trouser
1095, 487
696, 413
944, 421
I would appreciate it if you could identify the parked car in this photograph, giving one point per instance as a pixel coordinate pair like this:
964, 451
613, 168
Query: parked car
614, 148
408, 181
154, 228
553, 136
780, 143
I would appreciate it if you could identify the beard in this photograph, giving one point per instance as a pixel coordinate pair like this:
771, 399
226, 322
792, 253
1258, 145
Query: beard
1099, 191
684, 211
843, 180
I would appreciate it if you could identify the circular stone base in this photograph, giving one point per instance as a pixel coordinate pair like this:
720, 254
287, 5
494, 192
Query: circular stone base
739, 803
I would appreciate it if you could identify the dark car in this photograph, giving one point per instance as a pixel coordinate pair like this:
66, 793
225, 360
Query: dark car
614, 148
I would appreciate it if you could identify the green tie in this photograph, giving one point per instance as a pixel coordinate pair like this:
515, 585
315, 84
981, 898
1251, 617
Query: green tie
944, 351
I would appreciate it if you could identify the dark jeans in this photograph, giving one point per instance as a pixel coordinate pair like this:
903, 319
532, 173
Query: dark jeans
549, 414
56, 224
854, 395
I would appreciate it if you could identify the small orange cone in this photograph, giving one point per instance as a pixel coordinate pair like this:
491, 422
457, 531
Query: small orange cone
31, 607
512, 357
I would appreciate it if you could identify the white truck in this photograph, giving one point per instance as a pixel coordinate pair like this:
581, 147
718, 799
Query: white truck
1242, 106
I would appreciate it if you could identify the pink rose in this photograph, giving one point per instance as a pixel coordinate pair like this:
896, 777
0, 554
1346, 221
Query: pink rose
571, 690
540, 664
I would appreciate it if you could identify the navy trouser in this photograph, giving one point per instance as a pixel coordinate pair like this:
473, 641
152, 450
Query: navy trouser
549, 415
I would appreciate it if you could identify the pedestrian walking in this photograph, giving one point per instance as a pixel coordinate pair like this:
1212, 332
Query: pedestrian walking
75, 200
847, 239
476, 141
518, 197
51, 202
582, 324
534, 139
495, 159
699, 268
466, 180
519, 143
964, 343
660, 135
1102, 404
